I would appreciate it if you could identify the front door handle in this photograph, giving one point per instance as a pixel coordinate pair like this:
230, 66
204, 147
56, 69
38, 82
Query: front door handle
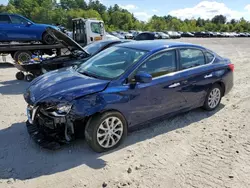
174, 85
208, 76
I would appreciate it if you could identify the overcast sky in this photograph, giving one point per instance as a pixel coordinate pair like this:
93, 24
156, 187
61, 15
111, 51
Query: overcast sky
144, 9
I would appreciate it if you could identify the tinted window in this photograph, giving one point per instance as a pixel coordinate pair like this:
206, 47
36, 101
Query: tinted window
96, 28
160, 64
191, 58
4, 19
209, 57
18, 20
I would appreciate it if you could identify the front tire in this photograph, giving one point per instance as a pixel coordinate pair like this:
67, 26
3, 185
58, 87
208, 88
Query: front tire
106, 131
213, 98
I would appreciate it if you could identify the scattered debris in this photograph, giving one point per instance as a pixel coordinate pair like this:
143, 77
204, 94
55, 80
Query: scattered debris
104, 184
129, 170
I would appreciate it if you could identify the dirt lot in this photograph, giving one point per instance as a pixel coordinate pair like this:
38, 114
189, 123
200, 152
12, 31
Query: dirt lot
195, 149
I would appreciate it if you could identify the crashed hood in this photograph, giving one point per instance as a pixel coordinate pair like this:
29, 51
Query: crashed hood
64, 39
62, 85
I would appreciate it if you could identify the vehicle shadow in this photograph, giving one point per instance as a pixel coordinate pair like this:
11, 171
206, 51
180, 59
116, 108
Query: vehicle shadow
13, 87
21, 158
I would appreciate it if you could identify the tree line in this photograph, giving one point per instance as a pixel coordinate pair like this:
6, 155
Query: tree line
115, 17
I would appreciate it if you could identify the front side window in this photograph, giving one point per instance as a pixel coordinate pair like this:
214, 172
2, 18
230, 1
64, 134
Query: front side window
191, 58
111, 63
18, 20
160, 64
4, 19
96, 28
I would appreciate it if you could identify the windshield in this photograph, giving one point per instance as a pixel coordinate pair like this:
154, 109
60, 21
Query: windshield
111, 63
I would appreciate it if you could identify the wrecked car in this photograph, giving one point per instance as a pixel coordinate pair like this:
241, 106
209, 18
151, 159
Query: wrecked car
122, 87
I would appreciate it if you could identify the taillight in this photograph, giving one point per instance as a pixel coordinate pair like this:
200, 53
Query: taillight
231, 67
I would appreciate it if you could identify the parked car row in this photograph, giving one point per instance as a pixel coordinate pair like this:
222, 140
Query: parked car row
214, 34
132, 34
118, 87
177, 34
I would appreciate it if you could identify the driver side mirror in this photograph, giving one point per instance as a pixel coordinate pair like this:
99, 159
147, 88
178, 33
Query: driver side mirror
143, 77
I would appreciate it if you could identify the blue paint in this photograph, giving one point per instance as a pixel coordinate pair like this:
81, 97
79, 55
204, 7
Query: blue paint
14, 31
138, 102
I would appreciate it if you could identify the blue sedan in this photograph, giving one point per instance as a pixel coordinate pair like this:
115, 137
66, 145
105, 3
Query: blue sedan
14, 27
122, 87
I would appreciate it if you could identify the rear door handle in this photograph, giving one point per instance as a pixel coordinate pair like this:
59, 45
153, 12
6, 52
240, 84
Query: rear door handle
174, 85
208, 76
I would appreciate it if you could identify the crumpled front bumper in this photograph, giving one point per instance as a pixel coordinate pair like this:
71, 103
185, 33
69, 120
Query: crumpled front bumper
41, 138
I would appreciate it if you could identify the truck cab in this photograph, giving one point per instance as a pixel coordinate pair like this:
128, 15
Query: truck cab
86, 31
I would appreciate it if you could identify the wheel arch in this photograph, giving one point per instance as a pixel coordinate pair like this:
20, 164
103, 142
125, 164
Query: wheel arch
222, 85
89, 118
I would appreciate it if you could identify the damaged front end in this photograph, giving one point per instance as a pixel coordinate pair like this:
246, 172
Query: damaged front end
51, 125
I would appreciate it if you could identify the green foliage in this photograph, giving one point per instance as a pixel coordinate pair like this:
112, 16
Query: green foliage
115, 18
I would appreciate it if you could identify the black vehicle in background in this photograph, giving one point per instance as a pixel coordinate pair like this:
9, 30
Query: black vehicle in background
187, 34
146, 36
202, 34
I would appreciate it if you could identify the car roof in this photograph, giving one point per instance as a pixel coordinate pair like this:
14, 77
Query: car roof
155, 45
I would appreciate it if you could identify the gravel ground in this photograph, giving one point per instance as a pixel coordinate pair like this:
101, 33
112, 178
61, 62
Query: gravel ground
195, 149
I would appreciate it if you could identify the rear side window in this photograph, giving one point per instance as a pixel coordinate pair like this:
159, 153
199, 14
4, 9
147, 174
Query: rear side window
209, 57
4, 19
160, 64
191, 58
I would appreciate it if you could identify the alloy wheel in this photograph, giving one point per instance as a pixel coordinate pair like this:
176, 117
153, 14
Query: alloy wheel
110, 132
214, 98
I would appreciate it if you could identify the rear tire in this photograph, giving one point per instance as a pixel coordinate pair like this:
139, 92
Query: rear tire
106, 131
213, 98
19, 75
48, 39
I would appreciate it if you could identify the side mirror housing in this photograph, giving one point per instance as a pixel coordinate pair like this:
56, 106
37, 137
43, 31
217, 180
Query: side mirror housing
143, 77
